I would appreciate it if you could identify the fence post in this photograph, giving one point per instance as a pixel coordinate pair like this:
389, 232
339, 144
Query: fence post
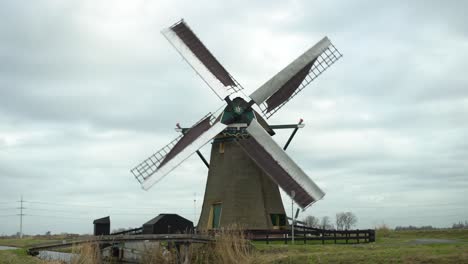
334, 235
286, 238
346, 235
267, 238
305, 236
357, 235
323, 236
371, 235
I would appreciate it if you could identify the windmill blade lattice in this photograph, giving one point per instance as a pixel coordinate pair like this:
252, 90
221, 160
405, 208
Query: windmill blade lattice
272, 159
158, 165
286, 84
202, 61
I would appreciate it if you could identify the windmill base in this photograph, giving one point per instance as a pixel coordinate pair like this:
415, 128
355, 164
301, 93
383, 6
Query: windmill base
238, 193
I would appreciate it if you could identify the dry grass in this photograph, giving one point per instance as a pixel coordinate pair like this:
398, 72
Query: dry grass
231, 247
157, 253
382, 231
86, 254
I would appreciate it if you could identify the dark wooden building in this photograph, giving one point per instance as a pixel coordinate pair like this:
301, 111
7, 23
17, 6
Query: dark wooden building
102, 226
168, 224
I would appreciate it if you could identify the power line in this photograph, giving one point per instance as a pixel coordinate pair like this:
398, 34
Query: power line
87, 211
410, 206
91, 213
97, 206
113, 211
9, 208
8, 215
191, 200
12, 202
72, 212
422, 216
112, 208
59, 216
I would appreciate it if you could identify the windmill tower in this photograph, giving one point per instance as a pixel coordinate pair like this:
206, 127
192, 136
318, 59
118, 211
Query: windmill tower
246, 166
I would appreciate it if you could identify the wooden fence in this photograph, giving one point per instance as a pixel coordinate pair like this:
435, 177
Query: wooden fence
304, 234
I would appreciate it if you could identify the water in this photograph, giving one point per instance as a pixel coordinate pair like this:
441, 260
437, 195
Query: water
48, 255
6, 248
53, 255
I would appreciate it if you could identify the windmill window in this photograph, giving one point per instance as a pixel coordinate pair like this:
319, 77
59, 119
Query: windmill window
221, 147
216, 209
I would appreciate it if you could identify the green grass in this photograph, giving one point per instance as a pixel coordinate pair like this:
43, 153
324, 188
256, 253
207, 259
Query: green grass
29, 241
394, 247
406, 236
17, 256
369, 253
391, 247
20, 256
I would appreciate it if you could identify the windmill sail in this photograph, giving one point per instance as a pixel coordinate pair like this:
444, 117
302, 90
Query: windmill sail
282, 87
201, 59
272, 159
158, 165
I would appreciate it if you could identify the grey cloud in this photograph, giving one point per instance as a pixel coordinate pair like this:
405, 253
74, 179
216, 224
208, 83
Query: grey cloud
89, 89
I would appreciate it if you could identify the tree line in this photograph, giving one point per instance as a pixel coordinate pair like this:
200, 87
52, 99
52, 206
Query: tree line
459, 225
343, 221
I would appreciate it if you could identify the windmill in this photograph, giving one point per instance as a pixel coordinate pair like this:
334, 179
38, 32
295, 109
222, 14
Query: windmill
246, 164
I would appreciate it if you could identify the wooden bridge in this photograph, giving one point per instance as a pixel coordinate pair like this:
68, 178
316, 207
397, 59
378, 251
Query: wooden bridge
182, 242
115, 239
301, 234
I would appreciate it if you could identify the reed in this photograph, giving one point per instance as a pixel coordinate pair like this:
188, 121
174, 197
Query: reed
88, 253
158, 253
383, 230
230, 247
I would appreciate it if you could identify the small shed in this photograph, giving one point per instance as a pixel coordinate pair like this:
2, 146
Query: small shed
102, 226
168, 224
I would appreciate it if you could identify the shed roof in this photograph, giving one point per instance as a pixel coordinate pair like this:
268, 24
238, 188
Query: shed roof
104, 220
160, 216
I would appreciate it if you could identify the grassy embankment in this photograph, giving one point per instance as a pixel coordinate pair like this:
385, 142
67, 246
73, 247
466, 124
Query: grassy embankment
19, 256
391, 247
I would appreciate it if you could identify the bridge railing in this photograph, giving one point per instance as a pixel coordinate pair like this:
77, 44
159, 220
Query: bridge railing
134, 231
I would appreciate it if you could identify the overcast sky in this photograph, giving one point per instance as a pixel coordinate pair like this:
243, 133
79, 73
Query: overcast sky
88, 89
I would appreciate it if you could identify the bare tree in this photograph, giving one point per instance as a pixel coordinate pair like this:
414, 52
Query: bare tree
351, 220
312, 221
345, 220
340, 219
325, 223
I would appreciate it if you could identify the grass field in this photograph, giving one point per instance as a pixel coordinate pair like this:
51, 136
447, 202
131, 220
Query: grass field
17, 256
451, 246
29, 241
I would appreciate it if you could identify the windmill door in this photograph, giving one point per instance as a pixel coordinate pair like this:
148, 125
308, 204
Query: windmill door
278, 221
216, 215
